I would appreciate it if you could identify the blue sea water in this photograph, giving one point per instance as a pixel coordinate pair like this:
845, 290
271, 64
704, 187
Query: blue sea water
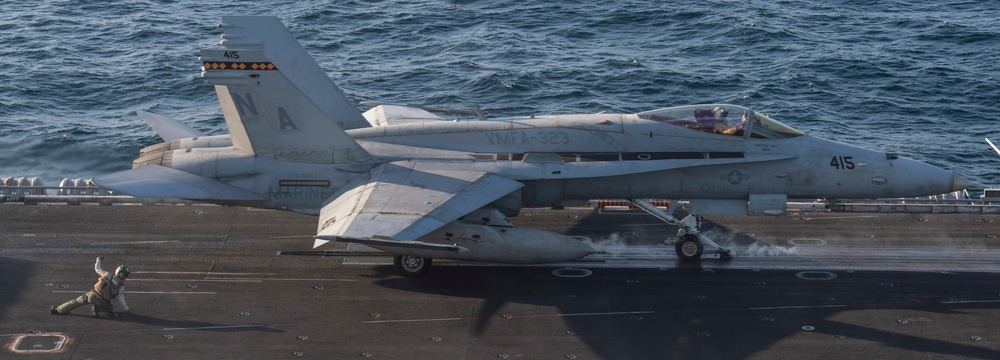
920, 78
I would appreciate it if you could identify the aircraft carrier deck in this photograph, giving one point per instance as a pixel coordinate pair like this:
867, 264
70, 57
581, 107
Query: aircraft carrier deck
215, 282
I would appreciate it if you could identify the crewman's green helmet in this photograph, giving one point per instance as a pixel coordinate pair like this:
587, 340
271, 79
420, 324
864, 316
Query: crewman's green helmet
122, 272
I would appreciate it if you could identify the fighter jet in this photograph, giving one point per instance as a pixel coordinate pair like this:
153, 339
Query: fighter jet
406, 181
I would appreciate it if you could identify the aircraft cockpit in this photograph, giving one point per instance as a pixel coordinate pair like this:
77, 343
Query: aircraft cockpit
723, 119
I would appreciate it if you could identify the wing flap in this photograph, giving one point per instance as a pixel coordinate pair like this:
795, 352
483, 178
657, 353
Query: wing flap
406, 200
387, 115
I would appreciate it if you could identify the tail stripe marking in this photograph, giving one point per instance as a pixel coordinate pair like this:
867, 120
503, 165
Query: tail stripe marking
228, 65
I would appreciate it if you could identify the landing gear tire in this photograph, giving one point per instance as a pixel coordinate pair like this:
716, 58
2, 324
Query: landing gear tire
411, 266
689, 248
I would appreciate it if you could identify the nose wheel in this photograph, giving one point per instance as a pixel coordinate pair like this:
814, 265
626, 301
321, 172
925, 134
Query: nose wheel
689, 248
411, 266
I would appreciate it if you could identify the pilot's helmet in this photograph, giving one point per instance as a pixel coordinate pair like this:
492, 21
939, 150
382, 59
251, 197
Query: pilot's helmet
720, 112
122, 272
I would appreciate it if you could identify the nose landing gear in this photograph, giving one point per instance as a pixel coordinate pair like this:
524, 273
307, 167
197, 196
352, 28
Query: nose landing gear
690, 245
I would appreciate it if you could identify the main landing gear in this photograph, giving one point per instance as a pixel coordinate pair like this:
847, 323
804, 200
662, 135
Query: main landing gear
690, 245
411, 266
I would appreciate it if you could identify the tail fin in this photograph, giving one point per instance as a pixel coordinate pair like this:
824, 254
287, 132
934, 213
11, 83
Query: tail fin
168, 129
276, 99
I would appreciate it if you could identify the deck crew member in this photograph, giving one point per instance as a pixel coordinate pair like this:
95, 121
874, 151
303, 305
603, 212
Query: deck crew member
108, 286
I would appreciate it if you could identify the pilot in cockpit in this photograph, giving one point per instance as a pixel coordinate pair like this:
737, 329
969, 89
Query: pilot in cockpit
704, 116
721, 114
726, 129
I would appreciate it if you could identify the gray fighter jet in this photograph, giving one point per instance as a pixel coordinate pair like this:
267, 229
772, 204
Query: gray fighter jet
406, 181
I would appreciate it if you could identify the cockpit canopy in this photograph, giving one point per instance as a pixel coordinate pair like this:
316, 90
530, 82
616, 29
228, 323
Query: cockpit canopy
723, 119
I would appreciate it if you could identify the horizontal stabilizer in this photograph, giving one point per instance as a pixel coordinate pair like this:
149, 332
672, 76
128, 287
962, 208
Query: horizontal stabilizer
392, 244
168, 129
155, 181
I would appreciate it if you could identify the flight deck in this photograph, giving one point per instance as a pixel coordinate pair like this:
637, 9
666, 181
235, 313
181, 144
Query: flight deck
232, 282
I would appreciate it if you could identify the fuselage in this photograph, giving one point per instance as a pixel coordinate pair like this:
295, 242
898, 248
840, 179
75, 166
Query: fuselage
567, 159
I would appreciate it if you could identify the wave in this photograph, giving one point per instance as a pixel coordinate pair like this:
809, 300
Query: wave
919, 77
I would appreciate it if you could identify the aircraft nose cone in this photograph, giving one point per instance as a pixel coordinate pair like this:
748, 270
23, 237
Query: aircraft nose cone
959, 183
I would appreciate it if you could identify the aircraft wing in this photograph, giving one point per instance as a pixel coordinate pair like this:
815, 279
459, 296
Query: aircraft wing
168, 129
402, 201
155, 181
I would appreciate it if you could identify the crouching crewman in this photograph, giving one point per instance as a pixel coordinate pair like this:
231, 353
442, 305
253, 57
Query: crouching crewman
108, 286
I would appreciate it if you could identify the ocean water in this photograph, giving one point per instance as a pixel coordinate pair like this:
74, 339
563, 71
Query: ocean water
920, 77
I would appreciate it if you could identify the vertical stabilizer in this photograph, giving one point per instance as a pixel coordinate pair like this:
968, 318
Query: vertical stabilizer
276, 99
